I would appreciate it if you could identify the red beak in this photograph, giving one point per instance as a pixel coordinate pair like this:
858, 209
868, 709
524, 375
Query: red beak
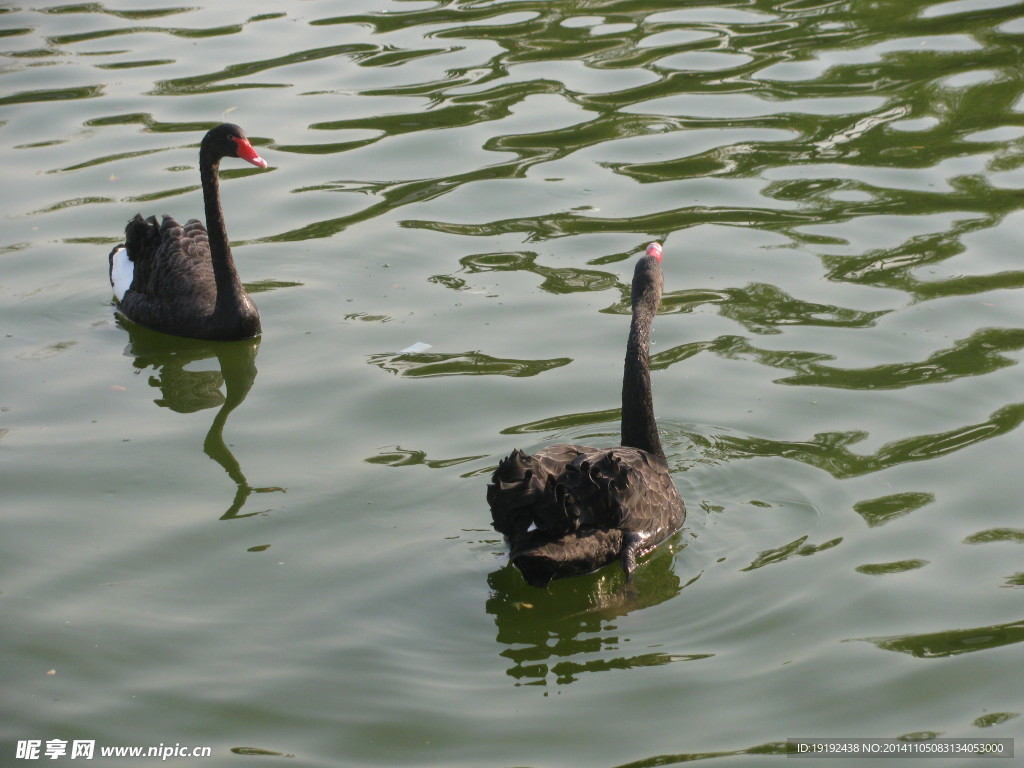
247, 153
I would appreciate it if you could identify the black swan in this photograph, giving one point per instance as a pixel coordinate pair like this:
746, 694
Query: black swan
570, 509
181, 279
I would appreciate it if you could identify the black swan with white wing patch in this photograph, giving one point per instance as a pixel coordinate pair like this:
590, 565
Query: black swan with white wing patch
181, 279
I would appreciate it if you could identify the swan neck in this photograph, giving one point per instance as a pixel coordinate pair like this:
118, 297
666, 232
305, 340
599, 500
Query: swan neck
229, 286
639, 429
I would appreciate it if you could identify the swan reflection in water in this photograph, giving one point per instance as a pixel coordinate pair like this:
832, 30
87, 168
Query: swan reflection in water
187, 391
557, 634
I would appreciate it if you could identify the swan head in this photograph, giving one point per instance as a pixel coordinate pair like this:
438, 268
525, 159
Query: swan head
654, 249
229, 140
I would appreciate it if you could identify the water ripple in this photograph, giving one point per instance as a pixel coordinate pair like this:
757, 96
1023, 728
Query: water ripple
837, 186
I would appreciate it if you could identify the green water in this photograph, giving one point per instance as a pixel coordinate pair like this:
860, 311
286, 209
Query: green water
281, 549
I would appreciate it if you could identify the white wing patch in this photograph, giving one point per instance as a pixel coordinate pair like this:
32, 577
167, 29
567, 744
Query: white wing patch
122, 270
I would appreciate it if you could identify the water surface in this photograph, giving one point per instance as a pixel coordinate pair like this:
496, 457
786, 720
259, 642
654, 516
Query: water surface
281, 548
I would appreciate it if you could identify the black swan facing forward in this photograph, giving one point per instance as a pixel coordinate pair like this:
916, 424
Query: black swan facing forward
181, 279
570, 509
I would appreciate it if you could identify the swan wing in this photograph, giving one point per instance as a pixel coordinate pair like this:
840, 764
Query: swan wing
172, 273
524, 494
625, 488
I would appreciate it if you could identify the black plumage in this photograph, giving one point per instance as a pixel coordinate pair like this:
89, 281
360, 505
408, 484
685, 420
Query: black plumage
570, 509
183, 279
